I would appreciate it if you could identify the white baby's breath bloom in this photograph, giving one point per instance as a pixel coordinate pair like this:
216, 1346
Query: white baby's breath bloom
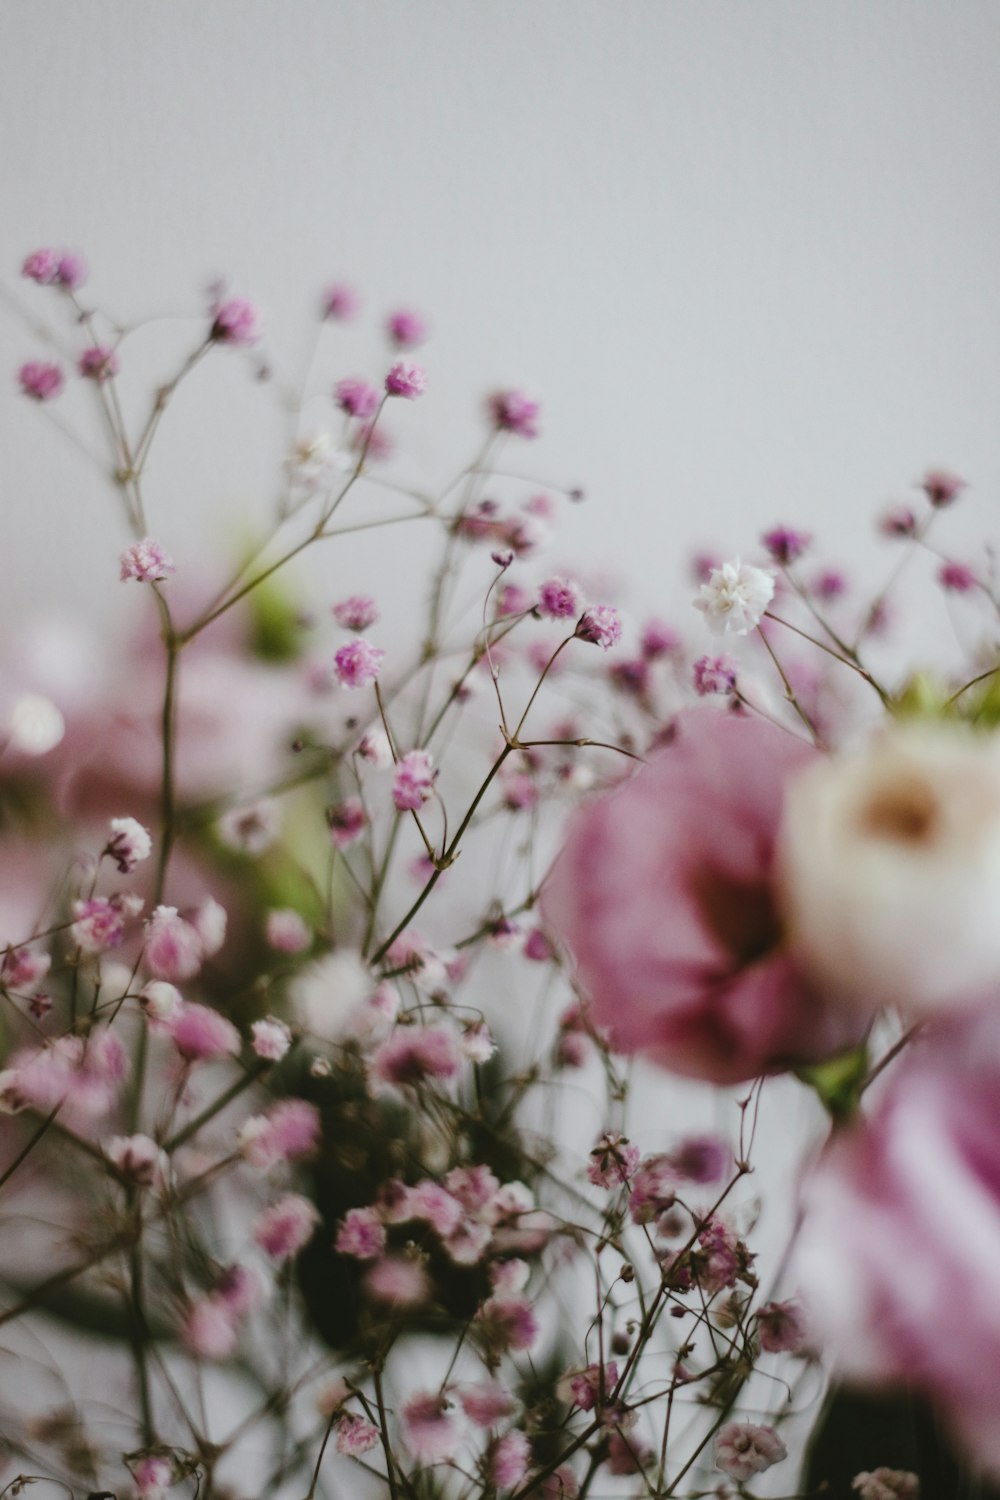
326, 995
35, 726
735, 597
889, 863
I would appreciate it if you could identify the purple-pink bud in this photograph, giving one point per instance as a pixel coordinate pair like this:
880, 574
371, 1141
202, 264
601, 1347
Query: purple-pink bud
600, 625
98, 363
413, 781
356, 612
560, 599
957, 578
942, 487
71, 270
406, 379
406, 329
340, 303
512, 411
714, 674
356, 397
40, 380
236, 322
785, 545
358, 664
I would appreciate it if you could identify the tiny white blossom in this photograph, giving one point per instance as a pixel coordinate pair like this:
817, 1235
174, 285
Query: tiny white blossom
735, 597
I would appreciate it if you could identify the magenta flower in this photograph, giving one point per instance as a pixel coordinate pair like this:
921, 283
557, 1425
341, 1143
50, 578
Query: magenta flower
398, 1281
659, 639
406, 379
781, 1328
957, 578
429, 1430
899, 521
41, 266
40, 380
203, 1035
356, 612
714, 675
785, 545
406, 329
358, 664
98, 363
509, 1459
355, 1436
414, 1054
356, 397
145, 562
71, 270
413, 781
513, 411
600, 625
361, 1234
560, 599
664, 896
282, 1230
942, 487
289, 1131
236, 322
340, 303
346, 821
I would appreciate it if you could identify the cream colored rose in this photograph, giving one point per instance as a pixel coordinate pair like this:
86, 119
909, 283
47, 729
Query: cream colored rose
889, 869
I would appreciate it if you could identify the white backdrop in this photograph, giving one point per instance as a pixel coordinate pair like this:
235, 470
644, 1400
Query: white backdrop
745, 254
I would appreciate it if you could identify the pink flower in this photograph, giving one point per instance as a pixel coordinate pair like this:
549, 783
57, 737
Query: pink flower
361, 1234
375, 750
289, 1131
612, 1162
413, 781
347, 822
506, 1323
701, 1158
600, 626
211, 1329
139, 1159
128, 844
271, 1039
664, 895
829, 585
509, 1459
957, 578
98, 363
428, 1200
415, 1054
146, 562
283, 1229
174, 951
560, 599
236, 322
41, 266
355, 1436
406, 329
71, 270
340, 303
356, 613
201, 1034
714, 674
901, 1234
659, 639
743, 1449
40, 380
785, 545
153, 1477
900, 520
287, 932
23, 969
358, 664
513, 411
781, 1328
486, 1403
356, 397
537, 947
590, 1387
942, 487
398, 1282
406, 379
887, 1484
100, 921
429, 1430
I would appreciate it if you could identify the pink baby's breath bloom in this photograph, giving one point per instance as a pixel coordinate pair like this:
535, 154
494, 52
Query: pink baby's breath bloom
406, 379
600, 625
250, 828
99, 921
71, 270
701, 1158
271, 1039
486, 1403
201, 1034
899, 521
211, 1329
509, 1459
128, 844
173, 949
98, 363
507, 1323
631, 675
289, 1131
41, 266
282, 1230
665, 896
286, 931
406, 328
237, 322
145, 562
361, 1234
358, 664
398, 1281
743, 1449
429, 1430
612, 1161
429, 1201
560, 599
22, 968
340, 303
477, 1043
415, 1054
153, 1477
356, 397
513, 411
41, 380
714, 675
512, 599
781, 1328
375, 750
942, 487
139, 1159
957, 578
356, 613
589, 1388
346, 822
355, 1436
413, 781
785, 545
659, 639
537, 946
886, 1484
829, 585
160, 1000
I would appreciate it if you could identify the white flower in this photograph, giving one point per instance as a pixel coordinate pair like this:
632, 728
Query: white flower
889, 863
326, 995
35, 726
735, 597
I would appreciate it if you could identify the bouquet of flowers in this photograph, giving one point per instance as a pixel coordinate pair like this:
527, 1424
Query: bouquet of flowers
387, 1024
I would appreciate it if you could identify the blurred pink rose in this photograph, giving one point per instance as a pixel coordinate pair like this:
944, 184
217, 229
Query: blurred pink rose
664, 896
899, 1254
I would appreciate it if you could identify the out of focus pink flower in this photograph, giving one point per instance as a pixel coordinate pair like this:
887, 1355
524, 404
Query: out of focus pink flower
414, 1054
513, 411
41, 380
271, 1039
509, 1459
361, 1234
781, 1328
664, 896
429, 1429
202, 1035
398, 1281
153, 1477
406, 328
406, 379
413, 781
289, 1131
283, 1229
340, 302
743, 1449
98, 363
355, 1436
177, 946
287, 932
145, 562
900, 1241
236, 322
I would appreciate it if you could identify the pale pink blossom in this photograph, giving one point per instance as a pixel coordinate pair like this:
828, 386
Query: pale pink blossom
282, 1230
139, 1159
99, 921
781, 1328
203, 1035
41, 266
361, 1234
85, 1077
160, 1000
145, 562
430, 1201
590, 1387
356, 397
429, 1429
509, 1459
513, 411
942, 487
356, 612
287, 932
153, 1477
612, 1161
406, 328
355, 1436
271, 1039
887, 1484
41, 380
560, 599
98, 363
506, 1323
509, 1276
665, 896
413, 781
289, 1131
251, 828
22, 968
173, 949
715, 675
340, 302
600, 625
211, 1329
476, 1042
71, 270
128, 844
398, 1281
346, 821
34, 725
416, 1054
357, 665
406, 379
743, 1449
237, 322
374, 748
486, 1403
